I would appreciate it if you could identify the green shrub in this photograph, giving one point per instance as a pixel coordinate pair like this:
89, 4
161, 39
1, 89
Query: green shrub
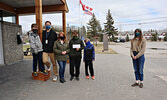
165, 38
154, 37
127, 38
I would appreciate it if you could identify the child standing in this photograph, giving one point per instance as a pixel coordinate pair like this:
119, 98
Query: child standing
36, 49
89, 57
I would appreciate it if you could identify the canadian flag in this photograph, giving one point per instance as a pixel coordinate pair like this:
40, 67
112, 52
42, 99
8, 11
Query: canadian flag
80, 2
86, 9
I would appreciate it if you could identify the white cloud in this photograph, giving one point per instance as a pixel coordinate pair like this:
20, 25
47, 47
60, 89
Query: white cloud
122, 10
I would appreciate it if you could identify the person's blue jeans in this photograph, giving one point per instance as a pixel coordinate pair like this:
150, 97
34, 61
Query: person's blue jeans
138, 65
37, 58
62, 66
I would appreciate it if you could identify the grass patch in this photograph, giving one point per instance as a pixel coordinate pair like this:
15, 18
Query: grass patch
25, 47
99, 49
29, 56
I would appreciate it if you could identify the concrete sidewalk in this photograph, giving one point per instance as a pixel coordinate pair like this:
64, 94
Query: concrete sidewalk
114, 76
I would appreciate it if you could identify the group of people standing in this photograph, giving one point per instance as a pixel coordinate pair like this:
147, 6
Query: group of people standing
56, 48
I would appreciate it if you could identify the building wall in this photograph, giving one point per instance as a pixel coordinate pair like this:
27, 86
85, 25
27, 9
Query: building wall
1, 47
11, 50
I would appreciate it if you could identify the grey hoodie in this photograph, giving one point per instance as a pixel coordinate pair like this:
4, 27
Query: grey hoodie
35, 42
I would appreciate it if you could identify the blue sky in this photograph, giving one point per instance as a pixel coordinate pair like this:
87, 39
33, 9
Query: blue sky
126, 14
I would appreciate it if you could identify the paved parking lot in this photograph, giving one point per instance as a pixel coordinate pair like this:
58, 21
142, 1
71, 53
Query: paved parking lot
153, 49
114, 76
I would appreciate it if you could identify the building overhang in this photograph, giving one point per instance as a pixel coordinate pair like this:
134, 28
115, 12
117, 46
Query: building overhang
28, 6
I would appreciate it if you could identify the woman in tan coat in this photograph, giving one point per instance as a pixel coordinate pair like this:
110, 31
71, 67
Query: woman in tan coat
138, 46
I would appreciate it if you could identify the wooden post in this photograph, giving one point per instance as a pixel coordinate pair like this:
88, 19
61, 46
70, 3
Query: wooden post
64, 26
17, 19
64, 22
38, 11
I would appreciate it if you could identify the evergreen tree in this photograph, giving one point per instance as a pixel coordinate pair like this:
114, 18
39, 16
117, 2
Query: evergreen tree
154, 37
127, 37
109, 28
165, 38
93, 27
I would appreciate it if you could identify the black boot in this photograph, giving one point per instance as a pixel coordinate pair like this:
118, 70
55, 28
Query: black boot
135, 84
61, 80
77, 78
64, 80
141, 85
72, 77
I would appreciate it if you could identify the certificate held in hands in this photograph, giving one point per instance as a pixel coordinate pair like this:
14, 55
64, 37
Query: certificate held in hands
74, 46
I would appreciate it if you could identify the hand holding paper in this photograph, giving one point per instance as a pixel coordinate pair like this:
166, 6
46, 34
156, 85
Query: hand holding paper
76, 46
77, 49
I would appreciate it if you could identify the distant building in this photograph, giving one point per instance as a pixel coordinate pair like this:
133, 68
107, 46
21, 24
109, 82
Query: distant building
162, 35
123, 35
147, 35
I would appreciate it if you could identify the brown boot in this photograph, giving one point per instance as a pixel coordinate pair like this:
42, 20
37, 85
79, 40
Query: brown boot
141, 85
135, 84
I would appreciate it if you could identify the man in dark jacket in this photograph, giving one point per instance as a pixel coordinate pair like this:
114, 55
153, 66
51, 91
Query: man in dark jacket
76, 46
48, 38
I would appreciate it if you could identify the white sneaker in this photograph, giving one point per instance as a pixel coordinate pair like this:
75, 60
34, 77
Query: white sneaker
49, 69
54, 78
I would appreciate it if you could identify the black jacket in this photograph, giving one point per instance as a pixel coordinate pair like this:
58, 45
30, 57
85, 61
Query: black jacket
52, 37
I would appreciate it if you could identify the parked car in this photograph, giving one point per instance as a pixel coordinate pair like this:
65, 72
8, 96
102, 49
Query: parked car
119, 40
122, 40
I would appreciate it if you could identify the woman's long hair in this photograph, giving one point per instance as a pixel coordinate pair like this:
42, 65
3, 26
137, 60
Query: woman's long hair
140, 36
62, 33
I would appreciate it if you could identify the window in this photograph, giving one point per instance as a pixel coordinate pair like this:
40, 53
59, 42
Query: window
7, 16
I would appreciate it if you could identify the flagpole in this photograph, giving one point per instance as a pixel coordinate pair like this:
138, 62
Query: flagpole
79, 16
87, 10
80, 23
85, 27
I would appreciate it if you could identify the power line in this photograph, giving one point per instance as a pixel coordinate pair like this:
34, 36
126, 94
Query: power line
154, 22
144, 19
140, 15
164, 21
